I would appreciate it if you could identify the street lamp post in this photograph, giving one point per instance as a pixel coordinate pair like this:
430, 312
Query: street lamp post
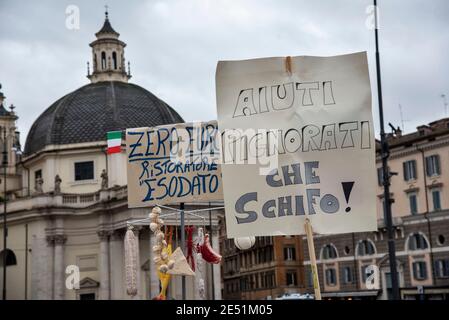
5, 230
385, 153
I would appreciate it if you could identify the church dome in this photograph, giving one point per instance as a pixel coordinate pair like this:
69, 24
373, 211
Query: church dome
108, 103
88, 113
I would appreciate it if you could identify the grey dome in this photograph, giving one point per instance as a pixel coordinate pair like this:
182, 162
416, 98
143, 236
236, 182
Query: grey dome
88, 113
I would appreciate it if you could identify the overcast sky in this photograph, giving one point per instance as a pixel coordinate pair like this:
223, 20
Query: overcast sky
174, 47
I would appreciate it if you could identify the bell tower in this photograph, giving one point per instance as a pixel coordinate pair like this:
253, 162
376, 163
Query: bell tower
10, 151
108, 56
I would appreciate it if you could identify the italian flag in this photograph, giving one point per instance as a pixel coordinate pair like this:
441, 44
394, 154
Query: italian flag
114, 141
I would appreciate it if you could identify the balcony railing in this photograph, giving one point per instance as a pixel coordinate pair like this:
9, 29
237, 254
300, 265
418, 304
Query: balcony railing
68, 200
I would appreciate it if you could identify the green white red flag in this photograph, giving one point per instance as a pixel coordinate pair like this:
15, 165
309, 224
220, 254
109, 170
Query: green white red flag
114, 141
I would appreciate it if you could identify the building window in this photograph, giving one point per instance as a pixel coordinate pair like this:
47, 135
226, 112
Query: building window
329, 252
242, 284
380, 176
442, 268
436, 200
103, 60
417, 242
420, 270
441, 239
114, 59
254, 281
331, 278
270, 280
4, 154
291, 278
413, 202
87, 296
11, 259
365, 248
365, 274
433, 165
84, 170
289, 253
347, 275
260, 256
409, 170
310, 278
37, 174
269, 254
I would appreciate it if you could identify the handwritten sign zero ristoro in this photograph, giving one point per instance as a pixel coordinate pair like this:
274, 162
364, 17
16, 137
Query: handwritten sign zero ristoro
172, 164
314, 125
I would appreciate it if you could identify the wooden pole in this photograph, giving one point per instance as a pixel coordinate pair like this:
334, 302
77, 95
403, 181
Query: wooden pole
183, 248
312, 256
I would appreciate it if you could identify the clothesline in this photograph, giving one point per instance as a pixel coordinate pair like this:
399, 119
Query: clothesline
178, 211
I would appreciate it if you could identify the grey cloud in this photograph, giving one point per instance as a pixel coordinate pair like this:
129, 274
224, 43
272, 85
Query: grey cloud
174, 46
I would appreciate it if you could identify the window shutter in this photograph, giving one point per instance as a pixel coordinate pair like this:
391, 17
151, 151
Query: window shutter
428, 166
404, 167
420, 242
415, 270
437, 164
423, 242
412, 243
348, 275
437, 268
413, 169
424, 270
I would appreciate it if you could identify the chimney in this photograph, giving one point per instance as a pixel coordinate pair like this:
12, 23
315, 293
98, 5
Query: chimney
423, 130
2, 97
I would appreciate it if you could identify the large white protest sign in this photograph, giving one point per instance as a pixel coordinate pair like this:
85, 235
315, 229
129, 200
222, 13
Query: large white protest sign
172, 164
313, 123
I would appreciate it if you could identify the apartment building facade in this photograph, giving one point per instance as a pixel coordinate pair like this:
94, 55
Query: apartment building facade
356, 266
271, 268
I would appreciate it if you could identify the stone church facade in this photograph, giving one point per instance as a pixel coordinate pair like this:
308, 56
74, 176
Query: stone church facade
67, 199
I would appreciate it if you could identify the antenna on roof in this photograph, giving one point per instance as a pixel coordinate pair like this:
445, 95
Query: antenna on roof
443, 96
402, 117
393, 128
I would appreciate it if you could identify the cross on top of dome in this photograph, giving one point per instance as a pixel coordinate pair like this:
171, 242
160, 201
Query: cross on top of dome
107, 28
108, 55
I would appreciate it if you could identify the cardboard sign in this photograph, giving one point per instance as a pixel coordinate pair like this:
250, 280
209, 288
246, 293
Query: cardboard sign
172, 164
297, 141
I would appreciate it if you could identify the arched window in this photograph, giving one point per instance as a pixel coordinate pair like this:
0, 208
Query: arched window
331, 277
10, 258
329, 252
417, 242
365, 248
114, 59
103, 60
